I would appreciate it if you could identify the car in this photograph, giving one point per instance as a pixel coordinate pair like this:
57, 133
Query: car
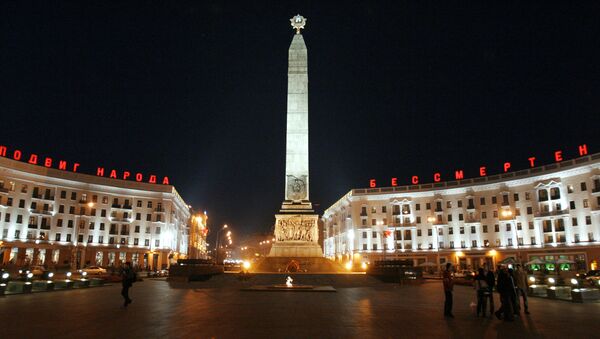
593, 277
37, 270
94, 270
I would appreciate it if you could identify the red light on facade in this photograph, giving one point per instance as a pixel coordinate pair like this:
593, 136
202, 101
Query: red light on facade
531, 161
437, 177
33, 159
506, 166
165, 181
113, 174
126, 175
415, 180
62, 165
459, 175
482, 171
48, 162
139, 177
583, 150
394, 181
17, 154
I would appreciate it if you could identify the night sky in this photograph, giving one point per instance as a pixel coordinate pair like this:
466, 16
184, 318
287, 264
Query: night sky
196, 90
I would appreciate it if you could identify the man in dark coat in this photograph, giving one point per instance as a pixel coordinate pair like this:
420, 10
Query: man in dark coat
448, 287
506, 288
128, 278
490, 278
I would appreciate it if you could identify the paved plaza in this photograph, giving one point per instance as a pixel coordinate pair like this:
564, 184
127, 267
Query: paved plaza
361, 308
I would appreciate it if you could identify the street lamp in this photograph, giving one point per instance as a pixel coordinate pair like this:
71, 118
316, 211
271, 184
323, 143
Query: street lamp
217, 244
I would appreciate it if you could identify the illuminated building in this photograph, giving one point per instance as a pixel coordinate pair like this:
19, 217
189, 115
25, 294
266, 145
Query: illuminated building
198, 230
53, 217
549, 212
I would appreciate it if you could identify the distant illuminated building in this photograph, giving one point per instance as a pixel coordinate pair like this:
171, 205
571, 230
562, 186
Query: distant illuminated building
54, 217
198, 230
550, 212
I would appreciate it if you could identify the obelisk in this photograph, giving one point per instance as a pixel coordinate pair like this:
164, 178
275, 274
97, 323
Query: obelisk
296, 225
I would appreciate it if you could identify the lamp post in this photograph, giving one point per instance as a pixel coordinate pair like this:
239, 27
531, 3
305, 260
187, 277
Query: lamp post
217, 244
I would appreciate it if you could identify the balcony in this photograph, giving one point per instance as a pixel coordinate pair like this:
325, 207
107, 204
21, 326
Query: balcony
472, 220
112, 232
41, 211
3, 190
115, 206
43, 197
551, 213
596, 189
126, 207
159, 210
124, 233
32, 226
116, 219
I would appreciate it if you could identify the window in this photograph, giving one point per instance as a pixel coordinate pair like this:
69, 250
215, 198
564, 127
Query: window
574, 221
527, 196
21, 203
496, 228
373, 209
71, 209
542, 195
7, 217
93, 212
418, 233
418, 220
554, 193
462, 244
576, 237
508, 227
482, 201
451, 244
92, 225
429, 232
149, 204
136, 240
473, 230
383, 209
572, 205
483, 215
147, 242
418, 207
474, 243
9, 201
569, 188
158, 230
533, 240
101, 226
449, 217
94, 198
459, 202
111, 240
374, 247
374, 234
531, 225
519, 226
90, 238
588, 220
448, 204
494, 200
428, 206
460, 216
137, 229
484, 227
495, 214
159, 219
462, 230
364, 222
73, 195
516, 196
57, 236
529, 210
68, 237
101, 239
139, 203
63, 195
438, 206
364, 247
450, 230
105, 200
586, 203
149, 217
583, 186
19, 219
103, 213
509, 241
363, 211
70, 223
373, 222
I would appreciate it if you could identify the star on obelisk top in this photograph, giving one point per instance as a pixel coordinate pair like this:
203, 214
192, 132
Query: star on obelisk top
298, 22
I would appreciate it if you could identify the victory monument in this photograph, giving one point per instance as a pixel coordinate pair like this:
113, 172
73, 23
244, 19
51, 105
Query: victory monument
296, 224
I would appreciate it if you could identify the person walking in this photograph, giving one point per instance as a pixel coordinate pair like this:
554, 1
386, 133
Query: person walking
506, 290
482, 290
490, 278
514, 296
128, 278
521, 281
448, 287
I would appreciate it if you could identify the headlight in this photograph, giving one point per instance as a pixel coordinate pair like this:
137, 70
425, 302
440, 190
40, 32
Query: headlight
574, 281
551, 280
84, 274
5, 275
532, 279
69, 274
50, 275
29, 275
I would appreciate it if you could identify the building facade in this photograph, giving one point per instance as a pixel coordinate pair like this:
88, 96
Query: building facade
547, 212
59, 218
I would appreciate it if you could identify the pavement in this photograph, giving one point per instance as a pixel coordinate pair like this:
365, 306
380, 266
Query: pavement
362, 307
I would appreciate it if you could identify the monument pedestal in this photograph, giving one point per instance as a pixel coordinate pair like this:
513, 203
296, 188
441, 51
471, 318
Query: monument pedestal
296, 235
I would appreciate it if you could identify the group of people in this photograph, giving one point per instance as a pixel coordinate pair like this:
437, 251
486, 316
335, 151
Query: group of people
510, 284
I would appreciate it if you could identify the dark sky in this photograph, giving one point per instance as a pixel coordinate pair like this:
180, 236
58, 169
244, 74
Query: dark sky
196, 90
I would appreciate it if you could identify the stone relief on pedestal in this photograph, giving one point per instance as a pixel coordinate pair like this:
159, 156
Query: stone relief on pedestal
296, 187
296, 229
